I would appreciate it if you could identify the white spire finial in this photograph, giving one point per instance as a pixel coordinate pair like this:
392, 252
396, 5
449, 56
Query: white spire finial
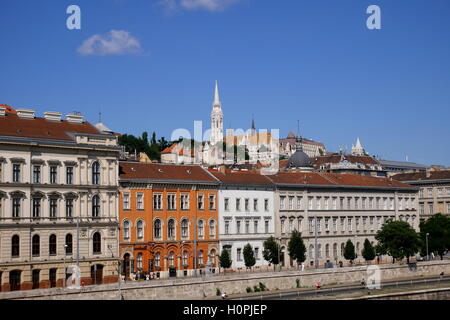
216, 95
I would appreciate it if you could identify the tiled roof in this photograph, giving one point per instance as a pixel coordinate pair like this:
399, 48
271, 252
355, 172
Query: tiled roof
164, 172
299, 178
178, 149
241, 177
8, 108
40, 128
419, 176
336, 158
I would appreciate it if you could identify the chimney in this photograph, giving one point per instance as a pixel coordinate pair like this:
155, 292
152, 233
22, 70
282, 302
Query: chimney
25, 113
2, 111
52, 116
74, 118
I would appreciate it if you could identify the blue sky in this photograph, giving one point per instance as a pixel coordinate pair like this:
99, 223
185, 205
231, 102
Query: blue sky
314, 61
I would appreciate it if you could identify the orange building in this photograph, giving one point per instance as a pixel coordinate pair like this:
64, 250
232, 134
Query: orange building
168, 215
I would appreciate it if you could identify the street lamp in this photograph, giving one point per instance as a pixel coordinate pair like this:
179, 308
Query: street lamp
182, 255
65, 268
427, 244
279, 254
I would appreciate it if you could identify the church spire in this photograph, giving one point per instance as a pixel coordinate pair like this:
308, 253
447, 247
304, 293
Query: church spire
298, 141
216, 96
253, 124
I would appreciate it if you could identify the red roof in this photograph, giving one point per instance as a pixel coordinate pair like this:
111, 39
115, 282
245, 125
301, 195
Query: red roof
419, 176
8, 108
241, 177
336, 158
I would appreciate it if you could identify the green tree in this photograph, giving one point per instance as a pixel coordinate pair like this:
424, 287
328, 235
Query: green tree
249, 256
398, 239
271, 251
349, 251
438, 227
296, 247
224, 259
368, 251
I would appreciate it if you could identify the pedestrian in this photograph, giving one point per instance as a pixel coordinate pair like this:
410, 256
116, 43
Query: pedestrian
147, 277
363, 282
318, 285
224, 295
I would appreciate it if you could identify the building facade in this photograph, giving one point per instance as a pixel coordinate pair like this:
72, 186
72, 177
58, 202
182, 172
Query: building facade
329, 209
246, 214
58, 200
434, 193
168, 216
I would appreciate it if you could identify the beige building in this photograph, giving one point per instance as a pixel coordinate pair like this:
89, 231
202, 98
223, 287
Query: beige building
434, 193
58, 200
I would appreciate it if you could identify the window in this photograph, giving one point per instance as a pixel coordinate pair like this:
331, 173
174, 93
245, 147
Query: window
53, 174
311, 225
299, 203
139, 261
372, 223
69, 208
335, 251
53, 208
36, 246
16, 172
157, 259
15, 246
185, 258
157, 201
35, 278
171, 229
310, 203
335, 224
349, 220
430, 192
238, 204
326, 204
227, 227
364, 203
212, 228
282, 202
357, 224
184, 202
256, 253
357, 203
184, 228
430, 209
140, 201
266, 204
255, 226
266, 226
255, 205
239, 254
212, 202
422, 209
334, 204
349, 203
171, 202
227, 204
318, 203
140, 230
327, 224
343, 224
16, 208
95, 206
341, 203
157, 228
171, 259
327, 250
69, 244
36, 207
247, 226
319, 224
97, 243
96, 173
126, 201
291, 203
238, 226
448, 207
201, 204
291, 225
200, 228
282, 225
69, 175
36, 174
52, 245
247, 205
201, 260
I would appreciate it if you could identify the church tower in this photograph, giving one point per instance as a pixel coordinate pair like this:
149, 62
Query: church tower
216, 119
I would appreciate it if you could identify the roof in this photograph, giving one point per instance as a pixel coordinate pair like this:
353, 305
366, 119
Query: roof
422, 176
178, 149
8, 108
164, 172
240, 177
336, 158
40, 128
392, 163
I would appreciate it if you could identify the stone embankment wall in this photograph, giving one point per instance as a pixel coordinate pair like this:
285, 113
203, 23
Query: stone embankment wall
199, 288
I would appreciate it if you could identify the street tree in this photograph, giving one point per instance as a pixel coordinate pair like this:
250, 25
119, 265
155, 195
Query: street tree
349, 251
271, 251
249, 256
368, 251
296, 247
438, 228
224, 259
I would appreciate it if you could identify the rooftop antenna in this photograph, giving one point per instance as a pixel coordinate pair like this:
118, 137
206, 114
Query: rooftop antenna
100, 116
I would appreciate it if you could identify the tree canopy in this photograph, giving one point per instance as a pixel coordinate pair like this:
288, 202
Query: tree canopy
249, 256
224, 259
398, 239
296, 247
271, 251
368, 251
349, 251
438, 227
152, 148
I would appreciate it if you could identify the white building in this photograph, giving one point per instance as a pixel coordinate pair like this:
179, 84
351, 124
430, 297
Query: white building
246, 214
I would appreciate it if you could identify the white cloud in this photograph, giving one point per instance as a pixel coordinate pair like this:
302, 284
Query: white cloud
116, 42
209, 5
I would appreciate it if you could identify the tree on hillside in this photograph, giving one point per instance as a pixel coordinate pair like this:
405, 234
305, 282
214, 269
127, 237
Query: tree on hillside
224, 259
368, 251
249, 256
271, 251
399, 239
349, 251
438, 228
296, 247
134, 144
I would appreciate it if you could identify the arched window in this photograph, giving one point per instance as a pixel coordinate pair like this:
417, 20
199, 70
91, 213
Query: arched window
335, 252
212, 228
171, 229
212, 256
342, 249
157, 228
327, 250
36, 245
185, 258
15, 246
200, 228
171, 259
126, 230
200, 258
95, 173
52, 245
184, 228
96, 206
311, 251
97, 243
140, 230
139, 261
158, 259
69, 244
